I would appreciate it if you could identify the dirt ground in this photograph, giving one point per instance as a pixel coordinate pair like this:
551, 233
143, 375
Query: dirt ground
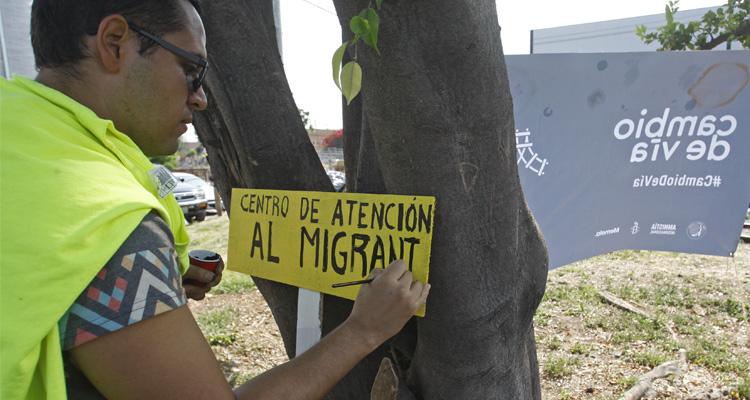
603, 367
606, 364
259, 346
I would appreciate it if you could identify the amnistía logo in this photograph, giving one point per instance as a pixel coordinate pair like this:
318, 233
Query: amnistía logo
663, 137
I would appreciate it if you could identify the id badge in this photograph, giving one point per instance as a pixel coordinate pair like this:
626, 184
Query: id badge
163, 180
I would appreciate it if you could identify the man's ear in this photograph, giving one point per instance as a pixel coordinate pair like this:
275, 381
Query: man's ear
113, 41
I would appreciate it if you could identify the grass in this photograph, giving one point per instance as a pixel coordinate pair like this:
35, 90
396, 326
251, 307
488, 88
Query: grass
718, 355
626, 255
541, 318
650, 359
558, 367
234, 282
234, 378
213, 234
668, 294
217, 326
627, 327
743, 390
555, 343
702, 310
580, 348
627, 383
731, 307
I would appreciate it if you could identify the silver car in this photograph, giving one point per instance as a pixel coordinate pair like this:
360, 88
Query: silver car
192, 201
208, 190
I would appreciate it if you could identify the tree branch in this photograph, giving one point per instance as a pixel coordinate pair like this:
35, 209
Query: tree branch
662, 371
742, 30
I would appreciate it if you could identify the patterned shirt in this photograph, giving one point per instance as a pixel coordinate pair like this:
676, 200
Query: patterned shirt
141, 280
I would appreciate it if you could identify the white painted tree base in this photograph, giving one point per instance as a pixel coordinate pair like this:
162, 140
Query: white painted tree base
309, 317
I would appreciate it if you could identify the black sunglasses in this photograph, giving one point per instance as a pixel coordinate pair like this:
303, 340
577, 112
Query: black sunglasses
197, 81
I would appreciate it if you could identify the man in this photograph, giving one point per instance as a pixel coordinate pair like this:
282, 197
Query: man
93, 245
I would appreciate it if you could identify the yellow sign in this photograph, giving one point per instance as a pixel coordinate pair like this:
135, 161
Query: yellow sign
316, 239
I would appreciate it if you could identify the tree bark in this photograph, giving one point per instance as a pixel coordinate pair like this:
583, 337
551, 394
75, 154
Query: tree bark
363, 174
252, 129
438, 121
438, 104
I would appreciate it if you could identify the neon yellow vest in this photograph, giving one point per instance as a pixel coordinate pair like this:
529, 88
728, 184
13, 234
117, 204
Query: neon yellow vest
72, 189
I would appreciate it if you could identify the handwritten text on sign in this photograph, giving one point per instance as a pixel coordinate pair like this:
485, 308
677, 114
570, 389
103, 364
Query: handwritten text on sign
316, 239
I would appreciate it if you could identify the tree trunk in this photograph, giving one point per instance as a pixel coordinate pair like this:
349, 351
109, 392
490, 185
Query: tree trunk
438, 114
252, 129
438, 105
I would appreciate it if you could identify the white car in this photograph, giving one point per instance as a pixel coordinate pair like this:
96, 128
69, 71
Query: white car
194, 180
338, 179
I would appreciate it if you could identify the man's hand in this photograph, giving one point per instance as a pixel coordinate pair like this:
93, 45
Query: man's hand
382, 308
384, 305
197, 274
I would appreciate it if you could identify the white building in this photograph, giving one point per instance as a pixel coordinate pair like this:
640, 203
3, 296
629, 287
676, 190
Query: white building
615, 36
15, 39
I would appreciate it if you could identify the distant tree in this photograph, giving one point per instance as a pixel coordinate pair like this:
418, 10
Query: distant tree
728, 23
336, 139
305, 116
168, 161
338, 166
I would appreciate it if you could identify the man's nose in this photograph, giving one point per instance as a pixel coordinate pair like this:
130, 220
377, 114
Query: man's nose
198, 100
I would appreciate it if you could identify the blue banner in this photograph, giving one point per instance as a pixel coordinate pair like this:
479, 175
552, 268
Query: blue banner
643, 151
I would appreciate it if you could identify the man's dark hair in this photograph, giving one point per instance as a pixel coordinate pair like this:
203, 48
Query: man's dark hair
59, 27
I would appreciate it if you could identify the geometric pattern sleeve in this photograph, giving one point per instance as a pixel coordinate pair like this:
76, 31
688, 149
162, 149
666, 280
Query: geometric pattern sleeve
141, 280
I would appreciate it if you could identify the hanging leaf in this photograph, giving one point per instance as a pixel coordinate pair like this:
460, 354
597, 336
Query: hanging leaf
378, 3
371, 38
359, 26
338, 56
669, 14
351, 80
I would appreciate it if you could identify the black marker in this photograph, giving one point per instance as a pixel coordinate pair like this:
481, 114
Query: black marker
353, 283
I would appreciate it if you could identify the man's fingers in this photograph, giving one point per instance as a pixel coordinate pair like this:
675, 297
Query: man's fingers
219, 268
194, 293
375, 273
419, 291
218, 273
199, 274
396, 269
425, 293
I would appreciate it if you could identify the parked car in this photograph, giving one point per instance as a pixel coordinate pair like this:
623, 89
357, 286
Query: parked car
338, 179
192, 201
191, 198
208, 189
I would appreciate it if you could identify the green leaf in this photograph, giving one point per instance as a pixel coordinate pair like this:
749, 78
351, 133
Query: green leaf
670, 16
640, 30
378, 3
351, 80
359, 26
371, 38
338, 56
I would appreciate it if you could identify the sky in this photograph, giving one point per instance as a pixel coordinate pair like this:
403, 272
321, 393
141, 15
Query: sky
311, 34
